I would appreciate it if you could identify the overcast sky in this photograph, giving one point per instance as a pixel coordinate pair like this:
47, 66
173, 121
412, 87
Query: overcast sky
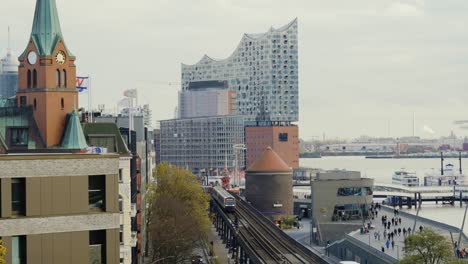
364, 65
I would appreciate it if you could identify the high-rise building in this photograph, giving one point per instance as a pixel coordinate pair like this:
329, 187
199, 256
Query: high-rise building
209, 98
8, 75
263, 71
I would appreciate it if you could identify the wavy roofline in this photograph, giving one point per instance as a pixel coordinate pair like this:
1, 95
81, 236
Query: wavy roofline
244, 36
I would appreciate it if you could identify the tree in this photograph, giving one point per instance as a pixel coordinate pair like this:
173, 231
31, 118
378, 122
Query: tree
427, 247
178, 214
3, 252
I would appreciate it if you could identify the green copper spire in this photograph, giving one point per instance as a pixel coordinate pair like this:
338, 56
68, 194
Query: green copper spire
74, 138
46, 30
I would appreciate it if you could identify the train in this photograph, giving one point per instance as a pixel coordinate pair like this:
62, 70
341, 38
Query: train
224, 199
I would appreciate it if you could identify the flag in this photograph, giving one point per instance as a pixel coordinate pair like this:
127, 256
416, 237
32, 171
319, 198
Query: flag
131, 93
82, 84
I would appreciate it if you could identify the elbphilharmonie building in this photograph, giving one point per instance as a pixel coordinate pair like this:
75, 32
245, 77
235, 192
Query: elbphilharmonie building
263, 71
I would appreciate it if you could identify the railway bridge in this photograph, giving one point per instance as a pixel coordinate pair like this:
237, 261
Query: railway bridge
252, 238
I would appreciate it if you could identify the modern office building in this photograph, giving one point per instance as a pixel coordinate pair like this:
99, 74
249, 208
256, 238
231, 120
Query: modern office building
207, 98
284, 140
60, 208
157, 145
202, 143
8, 75
263, 71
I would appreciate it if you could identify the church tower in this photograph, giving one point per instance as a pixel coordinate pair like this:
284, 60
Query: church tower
47, 75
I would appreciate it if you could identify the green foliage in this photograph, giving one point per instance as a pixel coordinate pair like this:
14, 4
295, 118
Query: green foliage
287, 221
178, 214
427, 247
3, 252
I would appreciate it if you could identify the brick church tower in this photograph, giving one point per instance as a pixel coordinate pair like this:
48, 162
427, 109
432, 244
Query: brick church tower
47, 75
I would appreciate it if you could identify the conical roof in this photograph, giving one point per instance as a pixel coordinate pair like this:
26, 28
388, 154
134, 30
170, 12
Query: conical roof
46, 31
269, 161
74, 138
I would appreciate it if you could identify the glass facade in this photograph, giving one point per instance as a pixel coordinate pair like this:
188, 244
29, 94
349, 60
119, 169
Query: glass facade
263, 71
355, 191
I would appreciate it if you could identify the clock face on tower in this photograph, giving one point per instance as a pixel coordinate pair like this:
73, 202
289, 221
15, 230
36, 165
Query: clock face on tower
60, 57
32, 57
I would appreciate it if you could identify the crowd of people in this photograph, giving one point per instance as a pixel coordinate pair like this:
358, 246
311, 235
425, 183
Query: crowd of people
393, 227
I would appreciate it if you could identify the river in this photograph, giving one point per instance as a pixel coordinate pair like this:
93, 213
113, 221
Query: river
381, 171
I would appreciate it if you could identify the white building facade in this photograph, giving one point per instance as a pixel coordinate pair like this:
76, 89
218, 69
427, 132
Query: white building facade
263, 71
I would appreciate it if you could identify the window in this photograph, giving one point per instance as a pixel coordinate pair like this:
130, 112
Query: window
120, 175
121, 234
18, 196
355, 191
29, 79
97, 247
120, 204
283, 137
23, 101
18, 250
57, 78
19, 136
96, 192
34, 79
35, 104
64, 79
62, 103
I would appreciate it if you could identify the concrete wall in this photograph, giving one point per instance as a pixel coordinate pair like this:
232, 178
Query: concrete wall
125, 215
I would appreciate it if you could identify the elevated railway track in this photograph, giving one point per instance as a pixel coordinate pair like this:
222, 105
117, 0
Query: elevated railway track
252, 238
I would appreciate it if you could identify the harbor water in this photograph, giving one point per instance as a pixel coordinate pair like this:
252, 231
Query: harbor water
381, 171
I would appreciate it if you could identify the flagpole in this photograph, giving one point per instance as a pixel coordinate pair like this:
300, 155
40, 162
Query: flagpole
90, 99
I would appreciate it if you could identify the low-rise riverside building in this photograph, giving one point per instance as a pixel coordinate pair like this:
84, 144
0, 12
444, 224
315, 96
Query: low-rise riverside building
336, 200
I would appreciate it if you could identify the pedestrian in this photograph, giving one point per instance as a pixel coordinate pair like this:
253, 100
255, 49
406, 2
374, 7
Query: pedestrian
420, 228
404, 232
385, 233
328, 250
399, 220
383, 249
375, 235
378, 235
393, 221
458, 253
399, 231
462, 253
388, 236
409, 231
387, 244
393, 244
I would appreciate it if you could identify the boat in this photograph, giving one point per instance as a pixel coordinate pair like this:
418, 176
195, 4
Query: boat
448, 176
405, 178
